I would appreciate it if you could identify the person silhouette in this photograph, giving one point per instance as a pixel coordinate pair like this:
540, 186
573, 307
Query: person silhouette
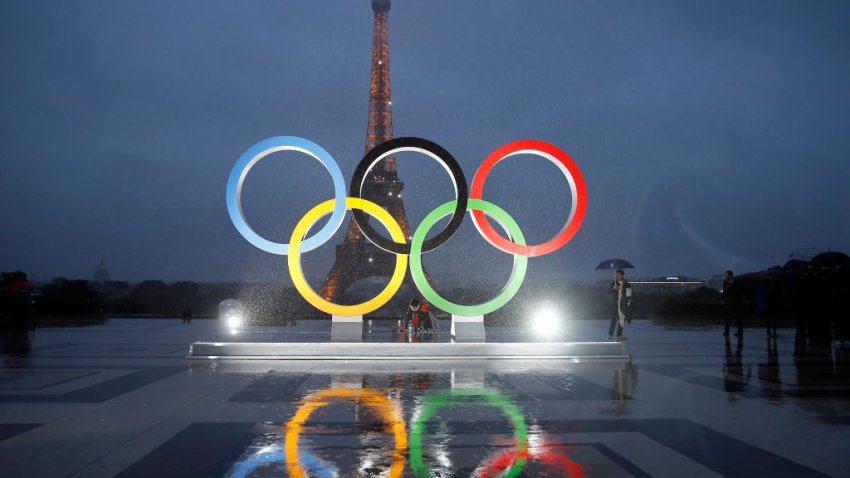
621, 293
732, 296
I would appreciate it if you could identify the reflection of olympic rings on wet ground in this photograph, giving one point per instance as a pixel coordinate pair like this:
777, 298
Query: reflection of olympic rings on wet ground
545, 455
469, 397
508, 463
272, 454
388, 410
473, 202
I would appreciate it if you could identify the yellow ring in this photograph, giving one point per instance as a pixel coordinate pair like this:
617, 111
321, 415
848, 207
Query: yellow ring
388, 410
294, 258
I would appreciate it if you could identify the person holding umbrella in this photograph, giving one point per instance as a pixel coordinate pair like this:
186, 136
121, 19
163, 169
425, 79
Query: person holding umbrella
621, 295
621, 292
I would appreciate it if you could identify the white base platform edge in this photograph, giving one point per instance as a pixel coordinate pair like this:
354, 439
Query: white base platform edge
468, 328
405, 351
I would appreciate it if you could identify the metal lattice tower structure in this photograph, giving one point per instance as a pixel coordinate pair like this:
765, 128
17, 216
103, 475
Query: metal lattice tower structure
357, 258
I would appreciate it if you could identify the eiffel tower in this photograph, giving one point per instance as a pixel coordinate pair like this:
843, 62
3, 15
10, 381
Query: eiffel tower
357, 258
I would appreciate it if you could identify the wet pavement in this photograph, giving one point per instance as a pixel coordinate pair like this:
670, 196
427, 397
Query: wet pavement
121, 399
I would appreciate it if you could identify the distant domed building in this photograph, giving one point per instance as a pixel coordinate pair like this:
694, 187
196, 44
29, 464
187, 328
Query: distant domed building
101, 273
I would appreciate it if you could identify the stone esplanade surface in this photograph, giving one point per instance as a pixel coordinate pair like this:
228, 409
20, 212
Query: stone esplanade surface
121, 399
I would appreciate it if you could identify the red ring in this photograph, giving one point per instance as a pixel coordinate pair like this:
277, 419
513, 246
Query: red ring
547, 456
560, 461
571, 227
504, 460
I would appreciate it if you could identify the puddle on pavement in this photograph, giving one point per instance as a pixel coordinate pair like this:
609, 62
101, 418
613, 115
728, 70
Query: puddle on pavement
409, 428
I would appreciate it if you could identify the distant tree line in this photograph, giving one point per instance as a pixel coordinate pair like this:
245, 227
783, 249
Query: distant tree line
265, 303
807, 297
61, 296
160, 299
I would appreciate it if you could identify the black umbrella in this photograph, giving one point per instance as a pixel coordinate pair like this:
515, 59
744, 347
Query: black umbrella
804, 254
827, 260
613, 264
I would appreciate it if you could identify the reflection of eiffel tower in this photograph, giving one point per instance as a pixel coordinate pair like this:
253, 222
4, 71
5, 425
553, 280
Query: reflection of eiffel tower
357, 258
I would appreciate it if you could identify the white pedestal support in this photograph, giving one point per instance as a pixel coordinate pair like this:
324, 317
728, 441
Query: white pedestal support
346, 380
468, 329
472, 378
346, 329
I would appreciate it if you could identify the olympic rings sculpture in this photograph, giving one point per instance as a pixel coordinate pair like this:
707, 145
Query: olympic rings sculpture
464, 201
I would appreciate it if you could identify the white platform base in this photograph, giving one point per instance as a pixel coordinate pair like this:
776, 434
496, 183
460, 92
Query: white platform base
406, 351
346, 329
468, 329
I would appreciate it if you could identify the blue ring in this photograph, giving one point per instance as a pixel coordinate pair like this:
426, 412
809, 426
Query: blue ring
275, 454
247, 161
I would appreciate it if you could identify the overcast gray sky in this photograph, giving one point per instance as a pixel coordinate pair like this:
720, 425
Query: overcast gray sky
711, 134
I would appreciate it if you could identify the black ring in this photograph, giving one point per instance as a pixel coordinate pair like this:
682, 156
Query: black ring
395, 145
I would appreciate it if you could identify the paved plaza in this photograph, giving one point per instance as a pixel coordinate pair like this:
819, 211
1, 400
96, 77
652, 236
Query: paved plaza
121, 399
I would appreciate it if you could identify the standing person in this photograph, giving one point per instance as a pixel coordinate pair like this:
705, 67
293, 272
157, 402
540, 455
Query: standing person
842, 327
621, 292
771, 307
801, 304
732, 298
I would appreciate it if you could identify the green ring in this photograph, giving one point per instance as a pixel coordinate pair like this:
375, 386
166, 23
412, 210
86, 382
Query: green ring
490, 397
428, 292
